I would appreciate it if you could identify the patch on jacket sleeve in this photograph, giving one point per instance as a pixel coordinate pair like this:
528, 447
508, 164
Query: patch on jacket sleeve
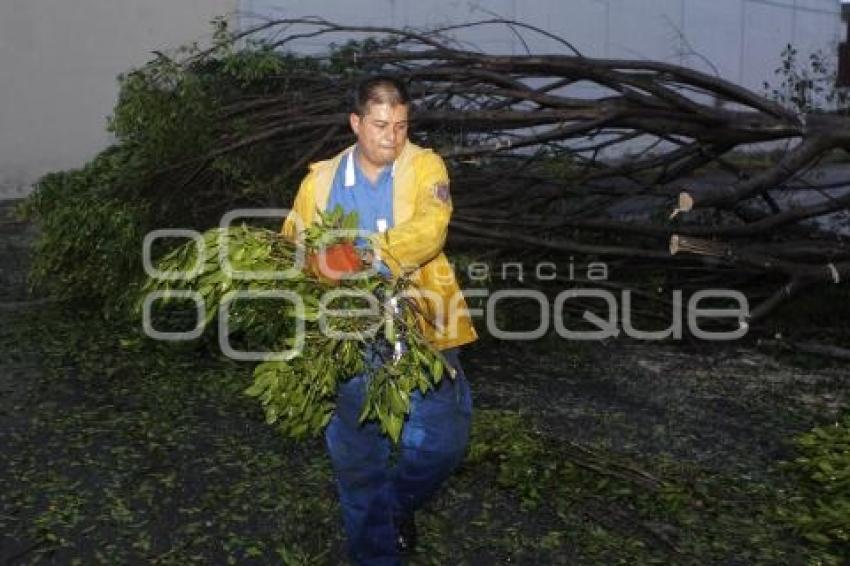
441, 193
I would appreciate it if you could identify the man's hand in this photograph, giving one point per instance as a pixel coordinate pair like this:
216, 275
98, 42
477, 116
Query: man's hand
334, 262
379, 266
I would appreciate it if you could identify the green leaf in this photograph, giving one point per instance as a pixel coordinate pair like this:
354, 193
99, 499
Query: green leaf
437, 368
389, 331
393, 426
397, 404
255, 389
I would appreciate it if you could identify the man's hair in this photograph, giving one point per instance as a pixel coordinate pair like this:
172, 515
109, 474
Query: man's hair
379, 89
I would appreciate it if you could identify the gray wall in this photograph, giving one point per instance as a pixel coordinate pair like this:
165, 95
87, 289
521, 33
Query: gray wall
59, 60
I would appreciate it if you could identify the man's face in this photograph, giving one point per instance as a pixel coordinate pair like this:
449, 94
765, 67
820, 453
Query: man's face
381, 133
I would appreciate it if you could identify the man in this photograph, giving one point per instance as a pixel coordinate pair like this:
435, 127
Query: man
401, 194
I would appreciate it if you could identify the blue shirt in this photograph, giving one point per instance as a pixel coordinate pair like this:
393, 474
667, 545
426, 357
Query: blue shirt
373, 202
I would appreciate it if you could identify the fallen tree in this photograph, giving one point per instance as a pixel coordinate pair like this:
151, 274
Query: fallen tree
536, 166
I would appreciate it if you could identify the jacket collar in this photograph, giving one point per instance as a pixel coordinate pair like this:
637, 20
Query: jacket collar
407, 152
324, 171
350, 177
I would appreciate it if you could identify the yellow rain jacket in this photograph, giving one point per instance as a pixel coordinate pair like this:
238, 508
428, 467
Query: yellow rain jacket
421, 211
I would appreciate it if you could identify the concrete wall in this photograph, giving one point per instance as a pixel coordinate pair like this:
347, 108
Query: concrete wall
59, 60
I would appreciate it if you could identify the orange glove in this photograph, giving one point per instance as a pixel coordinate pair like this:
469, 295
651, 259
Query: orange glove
333, 262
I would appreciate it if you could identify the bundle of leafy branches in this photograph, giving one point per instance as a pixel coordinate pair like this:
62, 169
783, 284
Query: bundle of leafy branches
312, 341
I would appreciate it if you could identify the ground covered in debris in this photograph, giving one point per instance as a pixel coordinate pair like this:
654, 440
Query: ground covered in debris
116, 452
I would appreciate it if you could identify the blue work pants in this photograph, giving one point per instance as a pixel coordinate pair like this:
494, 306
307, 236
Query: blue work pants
374, 493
